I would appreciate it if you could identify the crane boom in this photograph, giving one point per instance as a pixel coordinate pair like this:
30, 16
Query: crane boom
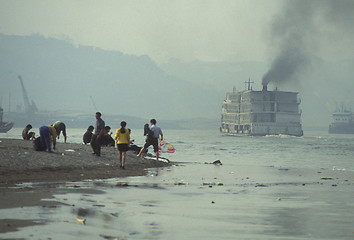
30, 108
24, 94
93, 103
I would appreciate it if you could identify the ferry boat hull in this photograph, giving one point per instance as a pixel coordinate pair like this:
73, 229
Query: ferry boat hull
264, 129
341, 128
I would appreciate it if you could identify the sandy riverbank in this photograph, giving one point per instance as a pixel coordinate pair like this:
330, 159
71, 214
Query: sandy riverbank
75, 162
20, 163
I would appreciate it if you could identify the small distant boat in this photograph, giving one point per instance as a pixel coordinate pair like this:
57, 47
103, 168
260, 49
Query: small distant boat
342, 122
4, 126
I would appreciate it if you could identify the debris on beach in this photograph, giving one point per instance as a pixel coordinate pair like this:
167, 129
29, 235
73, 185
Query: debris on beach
213, 184
98, 205
326, 178
110, 237
216, 162
81, 220
122, 184
152, 157
115, 214
180, 183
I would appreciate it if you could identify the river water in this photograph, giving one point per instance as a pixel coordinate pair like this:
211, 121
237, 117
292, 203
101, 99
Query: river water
272, 187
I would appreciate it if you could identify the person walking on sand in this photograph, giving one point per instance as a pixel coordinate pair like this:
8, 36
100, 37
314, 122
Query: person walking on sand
48, 135
153, 139
123, 139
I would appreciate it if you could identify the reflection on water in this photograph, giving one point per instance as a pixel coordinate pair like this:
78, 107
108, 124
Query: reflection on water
266, 188
257, 203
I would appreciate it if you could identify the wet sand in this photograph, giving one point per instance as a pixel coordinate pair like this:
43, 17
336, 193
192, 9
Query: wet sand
19, 162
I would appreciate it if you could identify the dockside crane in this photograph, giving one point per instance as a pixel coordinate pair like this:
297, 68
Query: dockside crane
30, 107
93, 103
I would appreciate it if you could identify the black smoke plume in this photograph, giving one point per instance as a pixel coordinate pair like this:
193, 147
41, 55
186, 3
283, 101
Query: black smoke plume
300, 30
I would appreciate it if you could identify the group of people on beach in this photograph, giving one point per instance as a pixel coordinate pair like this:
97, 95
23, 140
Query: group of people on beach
47, 135
122, 138
97, 136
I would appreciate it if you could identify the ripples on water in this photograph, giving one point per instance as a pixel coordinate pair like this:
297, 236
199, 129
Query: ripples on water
272, 187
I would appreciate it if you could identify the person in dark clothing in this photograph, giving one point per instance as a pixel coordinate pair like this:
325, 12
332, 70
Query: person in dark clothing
48, 135
153, 135
96, 141
107, 140
26, 134
99, 123
88, 135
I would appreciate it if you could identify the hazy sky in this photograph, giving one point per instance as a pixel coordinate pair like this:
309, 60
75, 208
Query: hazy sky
212, 30
209, 30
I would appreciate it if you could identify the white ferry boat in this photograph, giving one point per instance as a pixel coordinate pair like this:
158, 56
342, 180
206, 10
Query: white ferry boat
260, 113
342, 122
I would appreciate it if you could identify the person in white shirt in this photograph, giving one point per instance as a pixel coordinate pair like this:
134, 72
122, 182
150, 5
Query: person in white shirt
153, 138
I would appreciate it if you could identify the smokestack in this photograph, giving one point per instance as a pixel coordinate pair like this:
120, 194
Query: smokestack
265, 88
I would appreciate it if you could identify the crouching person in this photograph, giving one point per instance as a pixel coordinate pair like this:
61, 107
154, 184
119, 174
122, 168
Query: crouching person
60, 127
26, 134
97, 139
48, 135
88, 135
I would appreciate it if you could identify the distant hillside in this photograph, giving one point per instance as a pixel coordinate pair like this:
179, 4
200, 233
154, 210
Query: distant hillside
59, 75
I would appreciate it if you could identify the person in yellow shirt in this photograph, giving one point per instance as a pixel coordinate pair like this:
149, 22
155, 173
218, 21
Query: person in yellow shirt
123, 139
60, 127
